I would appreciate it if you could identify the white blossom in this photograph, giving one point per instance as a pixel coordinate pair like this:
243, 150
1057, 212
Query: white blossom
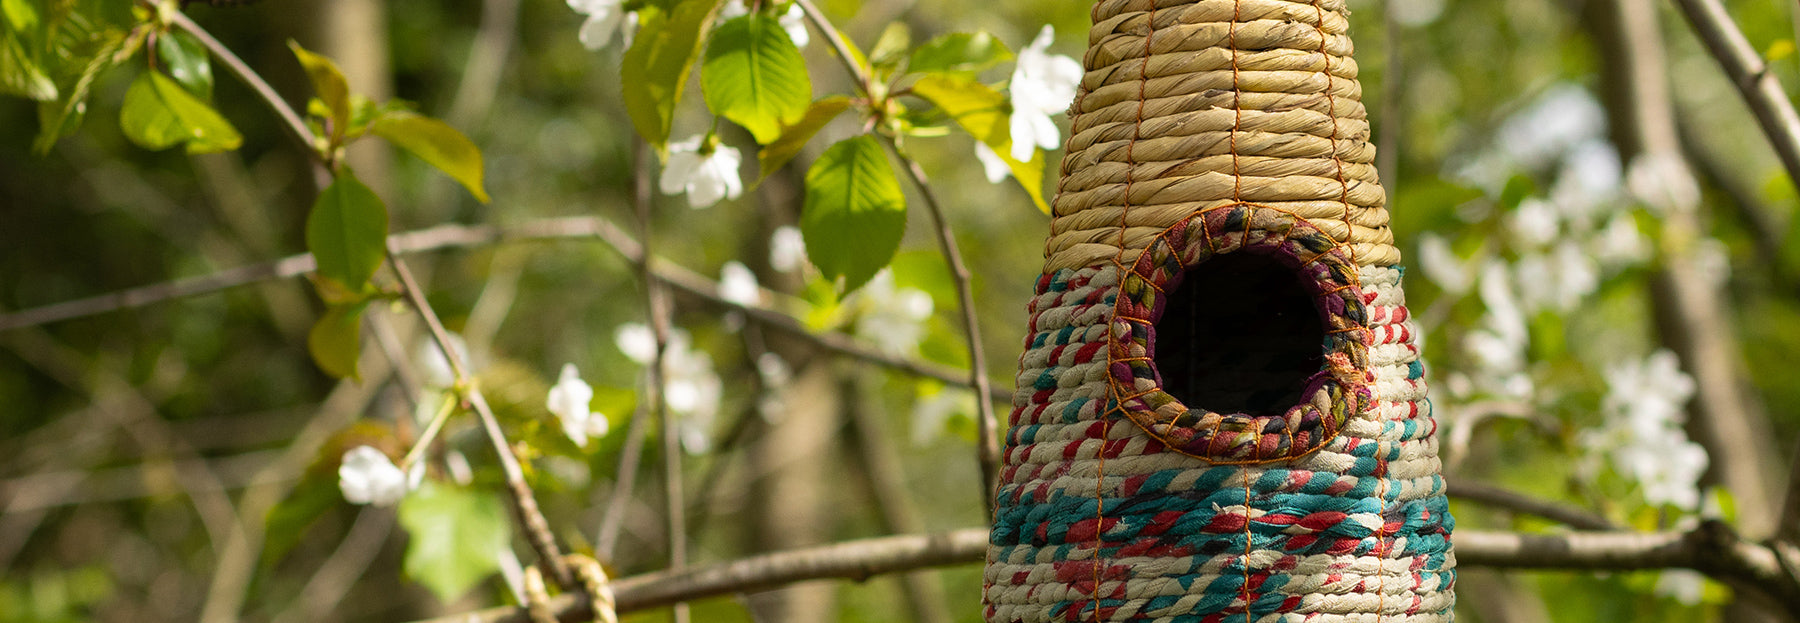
690, 387
1619, 243
892, 318
569, 400
996, 169
1442, 266
793, 20
604, 19
1562, 117
1642, 433
1663, 182
1042, 85
637, 341
706, 174
738, 285
1535, 223
787, 249
1576, 275
366, 476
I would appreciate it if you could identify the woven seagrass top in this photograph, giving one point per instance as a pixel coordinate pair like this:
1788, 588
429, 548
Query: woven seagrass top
1190, 105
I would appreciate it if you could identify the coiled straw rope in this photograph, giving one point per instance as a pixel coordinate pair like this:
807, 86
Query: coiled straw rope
1193, 105
1207, 130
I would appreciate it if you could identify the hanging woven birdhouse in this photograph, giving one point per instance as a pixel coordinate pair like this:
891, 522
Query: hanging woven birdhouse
1220, 412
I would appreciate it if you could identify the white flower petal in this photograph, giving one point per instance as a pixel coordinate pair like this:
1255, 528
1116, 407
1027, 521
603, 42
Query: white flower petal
996, 169
738, 285
732, 9
794, 22
569, 400
597, 32
787, 249
637, 341
366, 476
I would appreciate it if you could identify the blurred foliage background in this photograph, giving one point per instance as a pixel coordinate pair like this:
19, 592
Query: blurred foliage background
146, 454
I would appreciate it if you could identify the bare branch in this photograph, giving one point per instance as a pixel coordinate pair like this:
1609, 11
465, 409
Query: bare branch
1761, 91
987, 436
1490, 495
445, 237
1712, 549
525, 506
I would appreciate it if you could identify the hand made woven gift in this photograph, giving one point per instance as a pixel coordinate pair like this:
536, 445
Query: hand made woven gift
1220, 412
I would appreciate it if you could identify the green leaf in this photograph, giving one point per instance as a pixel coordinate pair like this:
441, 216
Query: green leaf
655, 70
20, 14
436, 143
959, 52
335, 340
793, 137
982, 112
329, 83
456, 537
347, 231
891, 46
753, 75
855, 214
186, 60
158, 114
62, 118
19, 74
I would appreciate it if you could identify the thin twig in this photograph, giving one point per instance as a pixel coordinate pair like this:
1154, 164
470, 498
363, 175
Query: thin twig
1758, 86
1497, 497
1711, 549
656, 307
444, 237
525, 506
290, 120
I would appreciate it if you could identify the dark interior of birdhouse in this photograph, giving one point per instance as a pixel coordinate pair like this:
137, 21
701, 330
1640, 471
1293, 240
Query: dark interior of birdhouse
1240, 334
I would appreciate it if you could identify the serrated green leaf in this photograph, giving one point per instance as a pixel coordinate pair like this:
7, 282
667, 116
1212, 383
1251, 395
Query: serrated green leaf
655, 70
347, 231
794, 137
335, 340
328, 83
754, 76
19, 74
456, 536
186, 60
436, 143
854, 214
158, 114
959, 52
981, 111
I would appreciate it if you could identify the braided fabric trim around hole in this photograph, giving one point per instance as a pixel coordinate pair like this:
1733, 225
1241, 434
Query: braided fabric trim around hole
1339, 391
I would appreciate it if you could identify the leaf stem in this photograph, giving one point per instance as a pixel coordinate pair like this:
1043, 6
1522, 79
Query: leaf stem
291, 121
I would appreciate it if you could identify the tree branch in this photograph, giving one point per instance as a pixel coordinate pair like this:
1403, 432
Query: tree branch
445, 237
1711, 549
1497, 497
1761, 91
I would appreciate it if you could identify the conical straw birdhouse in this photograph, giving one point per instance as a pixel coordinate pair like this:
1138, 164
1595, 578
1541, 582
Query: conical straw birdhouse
1220, 412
